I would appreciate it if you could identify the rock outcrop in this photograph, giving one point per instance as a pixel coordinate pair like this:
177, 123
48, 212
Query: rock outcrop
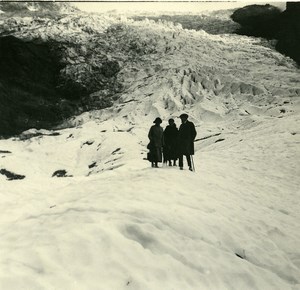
51, 69
28, 79
269, 22
289, 32
257, 20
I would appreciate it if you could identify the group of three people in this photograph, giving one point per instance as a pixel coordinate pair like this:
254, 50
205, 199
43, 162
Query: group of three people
172, 142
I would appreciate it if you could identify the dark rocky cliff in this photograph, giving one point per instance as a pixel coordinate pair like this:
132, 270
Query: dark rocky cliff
51, 68
289, 31
269, 22
32, 92
28, 77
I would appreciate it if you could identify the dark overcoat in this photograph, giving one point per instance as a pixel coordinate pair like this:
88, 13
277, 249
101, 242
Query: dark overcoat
186, 136
170, 138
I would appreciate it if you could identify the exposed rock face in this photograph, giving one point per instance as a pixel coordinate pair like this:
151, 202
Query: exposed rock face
289, 33
267, 21
42, 83
10, 175
47, 73
257, 20
28, 77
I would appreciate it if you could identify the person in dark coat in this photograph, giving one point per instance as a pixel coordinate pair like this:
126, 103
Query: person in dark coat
186, 136
156, 137
170, 148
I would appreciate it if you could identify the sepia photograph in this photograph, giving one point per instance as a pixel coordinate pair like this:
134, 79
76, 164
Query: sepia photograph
149, 145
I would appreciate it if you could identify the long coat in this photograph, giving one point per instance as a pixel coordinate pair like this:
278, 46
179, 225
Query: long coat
170, 137
186, 136
156, 136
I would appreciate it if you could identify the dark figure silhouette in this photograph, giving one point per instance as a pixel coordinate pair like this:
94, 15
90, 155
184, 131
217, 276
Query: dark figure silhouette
186, 136
156, 137
170, 138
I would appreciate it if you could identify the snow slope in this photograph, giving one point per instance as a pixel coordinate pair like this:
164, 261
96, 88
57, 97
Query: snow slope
116, 223
141, 228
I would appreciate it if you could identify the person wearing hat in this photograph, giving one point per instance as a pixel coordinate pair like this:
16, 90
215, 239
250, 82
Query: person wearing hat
186, 136
170, 138
156, 137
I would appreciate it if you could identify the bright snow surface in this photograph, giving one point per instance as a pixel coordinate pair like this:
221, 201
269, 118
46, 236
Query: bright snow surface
134, 227
116, 223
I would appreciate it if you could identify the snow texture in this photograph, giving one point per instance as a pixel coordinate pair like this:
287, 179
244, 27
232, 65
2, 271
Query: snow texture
92, 214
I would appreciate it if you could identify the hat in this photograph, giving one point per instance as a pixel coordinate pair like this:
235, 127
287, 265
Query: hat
171, 121
183, 116
157, 121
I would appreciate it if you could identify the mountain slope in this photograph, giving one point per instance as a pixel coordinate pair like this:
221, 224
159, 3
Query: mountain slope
112, 222
31, 8
100, 57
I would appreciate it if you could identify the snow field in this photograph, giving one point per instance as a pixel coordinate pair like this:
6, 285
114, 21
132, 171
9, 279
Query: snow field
233, 224
116, 223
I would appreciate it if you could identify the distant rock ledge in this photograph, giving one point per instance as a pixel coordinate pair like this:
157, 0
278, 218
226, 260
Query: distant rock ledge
269, 22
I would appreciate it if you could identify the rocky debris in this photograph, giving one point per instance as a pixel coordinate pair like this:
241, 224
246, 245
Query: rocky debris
240, 256
115, 151
36, 133
219, 140
92, 165
61, 173
87, 143
5, 152
10, 175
